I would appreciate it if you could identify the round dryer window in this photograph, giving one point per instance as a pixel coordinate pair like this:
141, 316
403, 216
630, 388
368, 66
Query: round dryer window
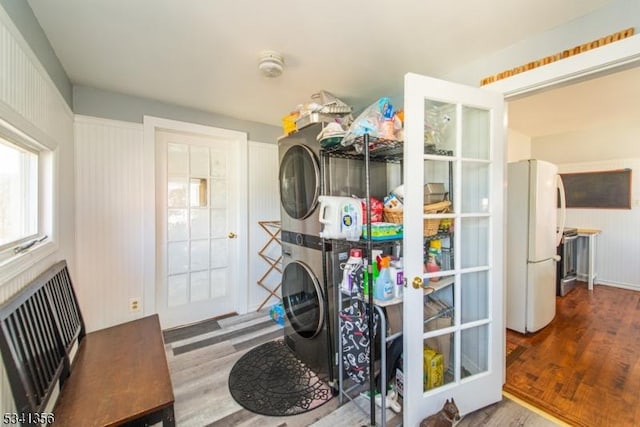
302, 299
299, 182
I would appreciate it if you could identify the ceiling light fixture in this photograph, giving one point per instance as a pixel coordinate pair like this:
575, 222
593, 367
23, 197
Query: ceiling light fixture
271, 63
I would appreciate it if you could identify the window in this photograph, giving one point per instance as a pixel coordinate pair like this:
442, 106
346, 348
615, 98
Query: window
18, 194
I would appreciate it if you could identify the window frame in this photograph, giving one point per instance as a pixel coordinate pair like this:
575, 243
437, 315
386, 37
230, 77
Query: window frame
14, 262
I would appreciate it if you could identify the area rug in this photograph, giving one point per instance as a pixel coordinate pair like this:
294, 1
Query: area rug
270, 380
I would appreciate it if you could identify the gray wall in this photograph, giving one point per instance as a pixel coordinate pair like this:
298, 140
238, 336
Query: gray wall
94, 102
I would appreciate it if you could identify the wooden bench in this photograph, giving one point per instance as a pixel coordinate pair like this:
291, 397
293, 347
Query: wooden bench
112, 377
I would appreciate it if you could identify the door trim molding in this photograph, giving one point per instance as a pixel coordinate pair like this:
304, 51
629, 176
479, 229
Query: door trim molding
150, 125
596, 62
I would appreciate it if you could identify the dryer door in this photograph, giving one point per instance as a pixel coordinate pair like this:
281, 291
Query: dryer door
299, 181
302, 299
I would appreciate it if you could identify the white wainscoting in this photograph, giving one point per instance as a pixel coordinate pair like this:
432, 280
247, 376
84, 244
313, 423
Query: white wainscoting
618, 245
109, 219
30, 101
264, 205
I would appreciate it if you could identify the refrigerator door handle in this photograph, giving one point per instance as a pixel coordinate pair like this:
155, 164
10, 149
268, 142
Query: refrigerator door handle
563, 209
555, 258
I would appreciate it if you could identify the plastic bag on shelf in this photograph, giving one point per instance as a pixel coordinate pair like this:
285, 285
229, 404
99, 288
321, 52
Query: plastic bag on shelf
377, 120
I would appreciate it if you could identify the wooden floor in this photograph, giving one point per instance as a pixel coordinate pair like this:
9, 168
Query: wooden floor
585, 366
201, 356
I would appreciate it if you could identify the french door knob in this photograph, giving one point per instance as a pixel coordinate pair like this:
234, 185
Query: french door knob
417, 282
231, 235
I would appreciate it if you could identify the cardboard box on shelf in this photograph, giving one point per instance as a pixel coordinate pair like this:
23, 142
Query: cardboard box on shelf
433, 367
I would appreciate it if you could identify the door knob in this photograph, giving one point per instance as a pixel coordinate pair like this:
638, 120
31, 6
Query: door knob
231, 235
417, 282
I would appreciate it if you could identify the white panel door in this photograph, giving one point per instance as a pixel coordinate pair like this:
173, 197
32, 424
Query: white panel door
199, 235
453, 323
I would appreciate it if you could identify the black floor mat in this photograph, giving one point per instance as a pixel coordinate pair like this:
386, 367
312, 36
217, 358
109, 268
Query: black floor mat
270, 380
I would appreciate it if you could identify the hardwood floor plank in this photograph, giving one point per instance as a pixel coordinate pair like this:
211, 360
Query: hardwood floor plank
585, 366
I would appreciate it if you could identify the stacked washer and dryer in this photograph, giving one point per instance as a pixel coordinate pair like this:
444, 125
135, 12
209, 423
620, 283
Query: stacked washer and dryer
308, 294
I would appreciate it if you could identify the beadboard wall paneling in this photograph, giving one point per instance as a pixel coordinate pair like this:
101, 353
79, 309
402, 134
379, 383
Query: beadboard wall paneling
28, 96
109, 220
618, 245
264, 205
30, 101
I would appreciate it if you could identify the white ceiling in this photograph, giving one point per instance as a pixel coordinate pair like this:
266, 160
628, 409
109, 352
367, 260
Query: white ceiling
203, 54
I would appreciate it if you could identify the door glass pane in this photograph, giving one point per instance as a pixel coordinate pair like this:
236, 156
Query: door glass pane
219, 193
177, 257
438, 305
199, 223
439, 127
474, 351
474, 296
218, 283
177, 159
177, 194
199, 161
474, 238
437, 361
178, 229
475, 187
199, 255
198, 192
218, 223
219, 253
218, 164
177, 290
438, 181
199, 286
475, 133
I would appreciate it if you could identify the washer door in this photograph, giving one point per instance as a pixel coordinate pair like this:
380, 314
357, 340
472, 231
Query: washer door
299, 182
302, 299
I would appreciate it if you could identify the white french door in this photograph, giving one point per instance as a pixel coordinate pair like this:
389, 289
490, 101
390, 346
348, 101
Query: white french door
453, 304
200, 238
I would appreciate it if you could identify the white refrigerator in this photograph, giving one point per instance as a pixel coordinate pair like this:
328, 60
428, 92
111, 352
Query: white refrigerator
533, 234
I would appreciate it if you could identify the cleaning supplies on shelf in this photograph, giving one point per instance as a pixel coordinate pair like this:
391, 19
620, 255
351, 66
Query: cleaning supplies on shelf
397, 277
341, 217
383, 287
352, 267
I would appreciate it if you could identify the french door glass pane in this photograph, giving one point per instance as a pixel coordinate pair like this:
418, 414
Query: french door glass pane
475, 133
474, 238
439, 126
219, 253
199, 286
438, 361
178, 229
199, 161
474, 350
199, 223
177, 290
475, 187
178, 192
474, 299
199, 255
218, 280
177, 159
177, 257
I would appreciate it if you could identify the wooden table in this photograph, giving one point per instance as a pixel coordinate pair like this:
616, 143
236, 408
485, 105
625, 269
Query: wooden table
590, 234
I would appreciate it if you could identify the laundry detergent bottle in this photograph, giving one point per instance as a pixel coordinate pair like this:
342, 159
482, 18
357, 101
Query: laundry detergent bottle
341, 217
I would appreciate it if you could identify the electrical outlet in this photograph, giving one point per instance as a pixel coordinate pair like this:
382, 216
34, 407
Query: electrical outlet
134, 305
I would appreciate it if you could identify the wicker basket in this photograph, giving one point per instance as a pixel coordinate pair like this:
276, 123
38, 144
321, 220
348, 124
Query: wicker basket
431, 225
393, 215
